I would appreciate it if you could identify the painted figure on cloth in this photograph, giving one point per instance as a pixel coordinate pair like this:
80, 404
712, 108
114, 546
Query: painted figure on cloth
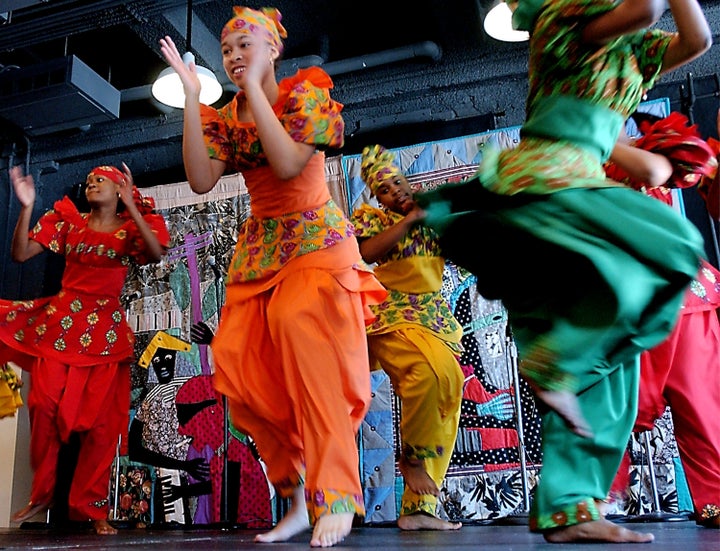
292, 331
201, 413
154, 438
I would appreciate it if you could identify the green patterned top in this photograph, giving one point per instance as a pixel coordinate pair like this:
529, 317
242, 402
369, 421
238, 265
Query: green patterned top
579, 96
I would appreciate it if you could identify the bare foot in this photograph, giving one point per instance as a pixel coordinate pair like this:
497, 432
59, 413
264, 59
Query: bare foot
565, 404
295, 521
416, 477
331, 529
598, 531
103, 528
29, 511
421, 521
713, 522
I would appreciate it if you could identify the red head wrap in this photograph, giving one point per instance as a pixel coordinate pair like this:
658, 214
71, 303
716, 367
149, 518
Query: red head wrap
109, 172
145, 205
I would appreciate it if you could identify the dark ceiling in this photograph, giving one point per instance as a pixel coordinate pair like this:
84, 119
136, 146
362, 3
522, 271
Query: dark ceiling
119, 43
119, 39
412, 67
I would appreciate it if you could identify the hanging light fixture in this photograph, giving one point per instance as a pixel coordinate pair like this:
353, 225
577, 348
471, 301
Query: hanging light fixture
498, 24
168, 88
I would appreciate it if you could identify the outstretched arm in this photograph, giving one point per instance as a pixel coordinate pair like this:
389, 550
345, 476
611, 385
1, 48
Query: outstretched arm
692, 39
374, 248
202, 172
693, 36
197, 468
23, 248
627, 17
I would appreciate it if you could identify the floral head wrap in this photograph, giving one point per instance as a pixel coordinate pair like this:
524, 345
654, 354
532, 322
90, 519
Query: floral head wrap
108, 172
265, 22
377, 165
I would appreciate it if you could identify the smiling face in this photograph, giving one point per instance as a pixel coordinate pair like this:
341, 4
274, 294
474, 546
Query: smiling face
240, 50
395, 194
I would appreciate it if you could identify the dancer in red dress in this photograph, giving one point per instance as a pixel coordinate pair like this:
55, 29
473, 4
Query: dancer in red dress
76, 344
682, 371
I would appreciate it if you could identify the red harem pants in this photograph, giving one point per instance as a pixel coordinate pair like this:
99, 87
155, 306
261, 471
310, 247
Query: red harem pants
92, 401
684, 373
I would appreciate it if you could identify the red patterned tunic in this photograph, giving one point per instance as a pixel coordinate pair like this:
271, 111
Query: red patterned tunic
84, 324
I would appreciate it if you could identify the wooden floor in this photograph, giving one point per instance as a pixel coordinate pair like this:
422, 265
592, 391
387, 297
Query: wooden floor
669, 536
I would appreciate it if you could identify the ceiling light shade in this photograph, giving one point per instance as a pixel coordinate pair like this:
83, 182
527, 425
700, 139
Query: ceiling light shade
498, 24
168, 88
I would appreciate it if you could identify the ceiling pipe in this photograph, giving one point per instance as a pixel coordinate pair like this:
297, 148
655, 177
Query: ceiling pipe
421, 49
425, 49
290, 66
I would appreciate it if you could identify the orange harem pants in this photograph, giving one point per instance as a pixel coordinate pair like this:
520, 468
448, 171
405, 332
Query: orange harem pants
427, 377
291, 356
92, 401
684, 372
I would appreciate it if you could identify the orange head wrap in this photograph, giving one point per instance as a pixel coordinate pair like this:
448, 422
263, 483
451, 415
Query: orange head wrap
377, 165
265, 22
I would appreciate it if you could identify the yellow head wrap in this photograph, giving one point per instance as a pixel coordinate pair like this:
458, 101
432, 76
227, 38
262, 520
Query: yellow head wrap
265, 22
377, 165
162, 340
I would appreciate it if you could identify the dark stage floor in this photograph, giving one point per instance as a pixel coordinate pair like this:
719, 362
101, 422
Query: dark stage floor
669, 536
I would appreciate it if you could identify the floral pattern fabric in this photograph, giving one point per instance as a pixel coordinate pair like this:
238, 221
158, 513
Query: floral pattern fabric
428, 309
265, 245
309, 115
304, 108
614, 77
84, 324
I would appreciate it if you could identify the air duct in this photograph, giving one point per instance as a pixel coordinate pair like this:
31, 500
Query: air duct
56, 95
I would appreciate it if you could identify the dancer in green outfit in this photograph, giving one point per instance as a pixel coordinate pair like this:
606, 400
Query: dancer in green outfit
610, 265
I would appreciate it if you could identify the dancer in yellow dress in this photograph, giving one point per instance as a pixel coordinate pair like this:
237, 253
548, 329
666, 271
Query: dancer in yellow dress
415, 338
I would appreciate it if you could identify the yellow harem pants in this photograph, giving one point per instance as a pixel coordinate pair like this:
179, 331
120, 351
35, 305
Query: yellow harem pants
292, 359
425, 374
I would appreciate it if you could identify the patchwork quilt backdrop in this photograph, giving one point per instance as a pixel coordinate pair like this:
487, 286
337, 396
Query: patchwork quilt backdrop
497, 455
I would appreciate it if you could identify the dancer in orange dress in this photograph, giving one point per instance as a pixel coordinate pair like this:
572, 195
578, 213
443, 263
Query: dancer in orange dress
290, 352
76, 344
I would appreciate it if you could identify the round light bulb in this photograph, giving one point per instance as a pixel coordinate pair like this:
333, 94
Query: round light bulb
498, 24
168, 88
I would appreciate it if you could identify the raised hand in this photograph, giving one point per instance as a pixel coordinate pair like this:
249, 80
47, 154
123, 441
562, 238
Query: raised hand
24, 186
200, 333
500, 407
198, 468
125, 189
187, 73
